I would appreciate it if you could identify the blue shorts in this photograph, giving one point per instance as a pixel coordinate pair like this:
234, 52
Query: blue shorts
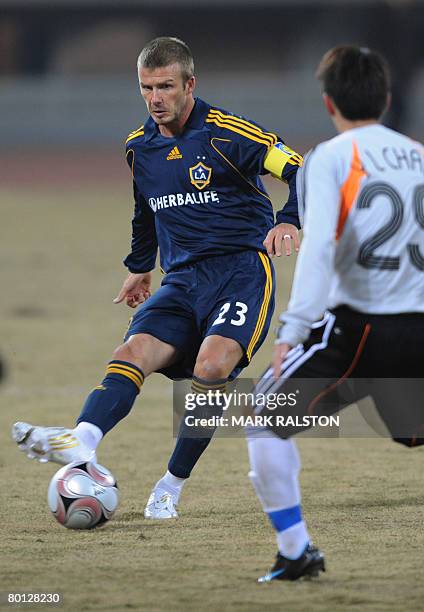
227, 295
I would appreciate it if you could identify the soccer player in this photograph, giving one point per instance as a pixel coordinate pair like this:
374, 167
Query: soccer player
362, 258
199, 198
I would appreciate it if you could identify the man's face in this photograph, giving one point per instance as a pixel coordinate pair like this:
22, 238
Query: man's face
165, 94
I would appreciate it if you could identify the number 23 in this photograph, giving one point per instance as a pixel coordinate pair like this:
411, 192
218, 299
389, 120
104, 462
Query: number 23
240, 313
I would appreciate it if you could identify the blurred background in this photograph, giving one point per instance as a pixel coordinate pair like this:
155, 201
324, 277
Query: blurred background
68, 77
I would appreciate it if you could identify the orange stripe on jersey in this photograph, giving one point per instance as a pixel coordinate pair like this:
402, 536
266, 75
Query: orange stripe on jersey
350, 189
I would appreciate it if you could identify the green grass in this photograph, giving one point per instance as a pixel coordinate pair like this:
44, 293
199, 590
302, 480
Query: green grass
363, 499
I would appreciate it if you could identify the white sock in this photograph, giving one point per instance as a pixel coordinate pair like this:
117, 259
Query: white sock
172, 484
275, 465
293, 541
275, 470
89, 434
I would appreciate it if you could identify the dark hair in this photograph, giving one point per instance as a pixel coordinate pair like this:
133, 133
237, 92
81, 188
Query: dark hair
164, 51
357, 79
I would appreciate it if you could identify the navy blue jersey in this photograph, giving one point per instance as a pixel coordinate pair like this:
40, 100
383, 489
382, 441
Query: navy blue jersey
199, 194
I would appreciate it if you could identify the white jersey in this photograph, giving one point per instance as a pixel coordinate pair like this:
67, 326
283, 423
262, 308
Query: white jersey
363, 240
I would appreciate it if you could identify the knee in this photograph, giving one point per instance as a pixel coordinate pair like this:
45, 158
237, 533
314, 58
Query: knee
274, 472
209, 367
133, 351
124, 352
272, 457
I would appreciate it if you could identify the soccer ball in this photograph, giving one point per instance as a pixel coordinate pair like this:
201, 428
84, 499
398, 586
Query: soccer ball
83, 495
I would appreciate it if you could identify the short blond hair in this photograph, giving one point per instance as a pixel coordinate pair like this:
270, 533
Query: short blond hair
164, 51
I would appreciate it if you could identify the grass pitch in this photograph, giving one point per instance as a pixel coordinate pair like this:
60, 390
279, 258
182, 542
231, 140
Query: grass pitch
363, 499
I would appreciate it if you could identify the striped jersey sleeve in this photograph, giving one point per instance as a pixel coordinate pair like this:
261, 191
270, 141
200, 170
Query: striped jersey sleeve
135, 134
252, 141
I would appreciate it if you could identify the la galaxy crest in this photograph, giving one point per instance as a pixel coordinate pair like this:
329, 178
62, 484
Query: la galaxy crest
200, 175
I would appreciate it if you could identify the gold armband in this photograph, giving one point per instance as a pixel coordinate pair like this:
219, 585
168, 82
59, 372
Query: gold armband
278, 156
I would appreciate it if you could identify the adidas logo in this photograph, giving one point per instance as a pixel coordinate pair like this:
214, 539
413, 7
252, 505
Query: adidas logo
174, 154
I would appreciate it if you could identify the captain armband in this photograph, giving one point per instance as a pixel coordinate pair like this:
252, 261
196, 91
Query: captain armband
278, 157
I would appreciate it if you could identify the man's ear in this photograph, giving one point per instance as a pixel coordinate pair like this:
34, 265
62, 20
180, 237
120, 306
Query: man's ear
190, 85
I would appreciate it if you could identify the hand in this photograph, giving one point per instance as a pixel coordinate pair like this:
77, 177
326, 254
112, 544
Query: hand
282, 233
280, 353
135, 290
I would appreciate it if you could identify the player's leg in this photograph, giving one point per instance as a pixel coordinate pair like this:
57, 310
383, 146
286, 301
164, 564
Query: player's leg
113, 399
317, 367
235, 329
275, 467
156, 336
106, 405
395, 378
216, 359
274, 474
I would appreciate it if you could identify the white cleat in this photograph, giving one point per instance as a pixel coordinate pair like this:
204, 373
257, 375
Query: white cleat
160, 506
55, 444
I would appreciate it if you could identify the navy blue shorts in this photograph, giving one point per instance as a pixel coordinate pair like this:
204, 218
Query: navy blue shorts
228, 295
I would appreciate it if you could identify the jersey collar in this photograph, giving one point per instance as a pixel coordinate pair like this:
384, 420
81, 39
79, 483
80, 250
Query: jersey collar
196, 120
